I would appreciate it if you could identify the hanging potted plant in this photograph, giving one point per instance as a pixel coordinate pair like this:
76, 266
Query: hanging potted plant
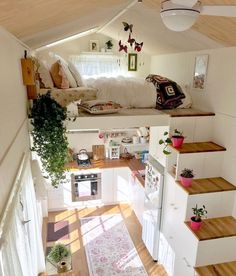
49, 136
186, 177
196, 220
177, 139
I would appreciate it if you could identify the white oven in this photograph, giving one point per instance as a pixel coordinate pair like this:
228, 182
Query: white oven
85, 186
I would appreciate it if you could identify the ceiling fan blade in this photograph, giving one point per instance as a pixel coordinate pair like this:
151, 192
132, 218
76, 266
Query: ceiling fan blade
185, 3
229, 11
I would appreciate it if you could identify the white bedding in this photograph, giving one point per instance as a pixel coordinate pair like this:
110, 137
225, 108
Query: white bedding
128, 92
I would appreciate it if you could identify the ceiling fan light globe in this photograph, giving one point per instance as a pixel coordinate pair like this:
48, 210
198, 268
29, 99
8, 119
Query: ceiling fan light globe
179, 20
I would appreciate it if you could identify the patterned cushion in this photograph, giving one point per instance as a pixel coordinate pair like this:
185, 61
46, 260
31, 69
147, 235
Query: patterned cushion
59, 76
168, 93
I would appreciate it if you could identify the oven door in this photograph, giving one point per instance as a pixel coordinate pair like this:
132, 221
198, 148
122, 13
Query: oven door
86, 189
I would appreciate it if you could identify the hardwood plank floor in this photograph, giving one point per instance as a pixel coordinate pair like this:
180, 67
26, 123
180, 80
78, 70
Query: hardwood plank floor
79, 262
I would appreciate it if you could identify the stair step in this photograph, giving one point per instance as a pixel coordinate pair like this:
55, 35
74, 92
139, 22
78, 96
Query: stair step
224, 269
199, 147
188, 112
208, 185
215, 228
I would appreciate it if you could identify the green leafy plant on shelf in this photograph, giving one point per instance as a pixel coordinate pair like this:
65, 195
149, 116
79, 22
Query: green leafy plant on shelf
109, 44
49, 136
199, 213
58, 252
166, 141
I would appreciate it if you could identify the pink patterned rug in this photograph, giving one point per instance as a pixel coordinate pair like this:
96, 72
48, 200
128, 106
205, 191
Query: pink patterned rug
109, 248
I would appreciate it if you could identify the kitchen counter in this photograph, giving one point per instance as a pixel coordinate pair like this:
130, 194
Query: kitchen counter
134, 164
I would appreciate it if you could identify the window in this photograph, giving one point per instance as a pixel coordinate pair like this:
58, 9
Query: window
98, 64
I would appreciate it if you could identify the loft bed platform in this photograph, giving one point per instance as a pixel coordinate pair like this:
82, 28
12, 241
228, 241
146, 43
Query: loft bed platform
125, 118
136, 117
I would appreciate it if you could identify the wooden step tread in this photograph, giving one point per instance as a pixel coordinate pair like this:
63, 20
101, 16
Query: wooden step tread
187, 112
208, 185
224, 269
199, 147
215, 228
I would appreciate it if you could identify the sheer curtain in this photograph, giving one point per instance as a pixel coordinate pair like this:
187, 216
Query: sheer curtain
94, 65
21, 249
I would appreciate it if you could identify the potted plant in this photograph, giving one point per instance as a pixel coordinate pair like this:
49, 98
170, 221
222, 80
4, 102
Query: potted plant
59, 255
49, 136
196, 220
166, 141
186, 177
109, 44
177, 138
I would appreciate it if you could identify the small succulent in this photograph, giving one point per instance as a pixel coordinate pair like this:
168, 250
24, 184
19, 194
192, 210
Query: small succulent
177, 133
199, 212
166, 141
187, 173
109, 44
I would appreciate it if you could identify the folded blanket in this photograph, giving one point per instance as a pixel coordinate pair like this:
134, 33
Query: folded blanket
169, 94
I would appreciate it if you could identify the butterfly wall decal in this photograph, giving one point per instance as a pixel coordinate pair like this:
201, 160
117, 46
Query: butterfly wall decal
138, 46
122, 47
128, 27
131, 40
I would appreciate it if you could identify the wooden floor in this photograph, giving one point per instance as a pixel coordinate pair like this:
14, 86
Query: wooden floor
199, 147
208, 185
215, 228
79, 261
224, 269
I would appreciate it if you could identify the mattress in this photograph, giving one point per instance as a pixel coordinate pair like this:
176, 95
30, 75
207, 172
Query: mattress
66, 96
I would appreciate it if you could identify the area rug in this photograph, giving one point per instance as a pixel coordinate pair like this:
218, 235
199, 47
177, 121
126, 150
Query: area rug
57, 231
109, 248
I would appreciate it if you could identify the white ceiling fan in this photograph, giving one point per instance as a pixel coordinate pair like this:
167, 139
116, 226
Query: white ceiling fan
180, 15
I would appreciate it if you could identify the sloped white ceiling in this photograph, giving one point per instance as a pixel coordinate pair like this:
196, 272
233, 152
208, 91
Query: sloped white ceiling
148, 27
41, 22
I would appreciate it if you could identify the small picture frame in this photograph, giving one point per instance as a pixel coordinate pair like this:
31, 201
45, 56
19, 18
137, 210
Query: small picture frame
94, 45
132, 62
200, 72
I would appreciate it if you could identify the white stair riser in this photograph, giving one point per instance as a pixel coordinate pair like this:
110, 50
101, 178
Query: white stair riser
212, 201
195, 129
216, 251
204, 165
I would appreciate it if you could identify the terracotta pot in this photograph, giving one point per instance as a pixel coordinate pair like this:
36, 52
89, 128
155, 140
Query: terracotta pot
177, 141
195, 225
186, 181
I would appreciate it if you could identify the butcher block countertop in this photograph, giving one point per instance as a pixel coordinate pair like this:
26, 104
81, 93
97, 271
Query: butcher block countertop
134, 164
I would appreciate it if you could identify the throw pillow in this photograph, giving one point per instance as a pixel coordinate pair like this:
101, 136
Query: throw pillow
76, 74
45, 78
59, 76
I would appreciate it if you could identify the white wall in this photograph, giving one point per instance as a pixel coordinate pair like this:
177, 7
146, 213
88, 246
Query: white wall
77, 46
13, 126
219, 94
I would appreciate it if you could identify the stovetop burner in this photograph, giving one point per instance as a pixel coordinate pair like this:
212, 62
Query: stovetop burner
84, 163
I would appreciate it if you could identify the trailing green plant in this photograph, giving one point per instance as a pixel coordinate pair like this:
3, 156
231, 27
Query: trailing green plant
58, 252
199, 212
166, 141
187, 173
49, 136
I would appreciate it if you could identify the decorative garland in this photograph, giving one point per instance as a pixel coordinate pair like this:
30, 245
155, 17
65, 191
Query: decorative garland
131, 40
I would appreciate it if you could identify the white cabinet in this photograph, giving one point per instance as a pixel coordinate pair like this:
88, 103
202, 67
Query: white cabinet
138, 197
107, 186
121, 185
55, 198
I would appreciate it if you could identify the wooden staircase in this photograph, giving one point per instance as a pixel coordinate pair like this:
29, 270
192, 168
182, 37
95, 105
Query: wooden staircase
224, 269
